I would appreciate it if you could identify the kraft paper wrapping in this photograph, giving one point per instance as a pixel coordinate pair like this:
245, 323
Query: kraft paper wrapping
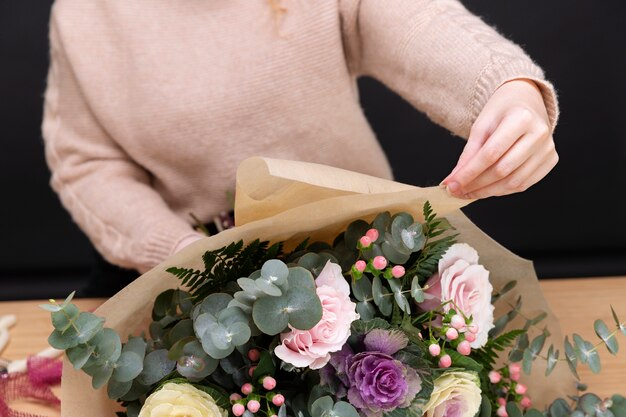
279, 200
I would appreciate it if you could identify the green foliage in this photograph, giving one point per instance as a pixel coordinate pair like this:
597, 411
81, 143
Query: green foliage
225, 265
488, 354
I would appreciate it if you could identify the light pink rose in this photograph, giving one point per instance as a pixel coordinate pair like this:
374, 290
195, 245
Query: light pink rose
465, 282
312, 348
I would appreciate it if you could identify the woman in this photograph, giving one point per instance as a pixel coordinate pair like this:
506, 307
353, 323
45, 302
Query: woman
150, 106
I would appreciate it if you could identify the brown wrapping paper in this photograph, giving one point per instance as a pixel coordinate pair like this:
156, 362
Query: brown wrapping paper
285, 200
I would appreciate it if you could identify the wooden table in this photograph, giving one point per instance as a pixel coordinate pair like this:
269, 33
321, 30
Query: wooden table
577, 303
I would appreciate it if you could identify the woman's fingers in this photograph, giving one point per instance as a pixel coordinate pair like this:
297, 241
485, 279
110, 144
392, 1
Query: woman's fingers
528, 174
499, 143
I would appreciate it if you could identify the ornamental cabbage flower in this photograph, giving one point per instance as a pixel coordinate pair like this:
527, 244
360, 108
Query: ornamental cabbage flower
456, 394
178, 400
311, 348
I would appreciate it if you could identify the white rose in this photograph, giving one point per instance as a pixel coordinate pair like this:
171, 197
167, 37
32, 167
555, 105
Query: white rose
456, 394
180, 400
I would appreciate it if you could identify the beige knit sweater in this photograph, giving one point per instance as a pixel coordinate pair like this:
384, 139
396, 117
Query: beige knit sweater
152, 104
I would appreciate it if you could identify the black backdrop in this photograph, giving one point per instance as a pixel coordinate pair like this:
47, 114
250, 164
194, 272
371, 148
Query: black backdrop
557, 223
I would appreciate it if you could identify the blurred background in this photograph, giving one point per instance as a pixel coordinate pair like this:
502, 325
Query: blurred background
560, 224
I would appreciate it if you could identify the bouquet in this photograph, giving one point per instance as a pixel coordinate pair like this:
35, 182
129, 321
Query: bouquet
393, 317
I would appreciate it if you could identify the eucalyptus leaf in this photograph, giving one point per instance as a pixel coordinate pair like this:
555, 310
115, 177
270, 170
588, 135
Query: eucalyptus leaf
214, 303
416, 290
619, 406
559, 408
108, 346
553, 358
570, 356
128, 367
63, 319
589, 403
79, 355
527, 361
609, 339
362, 288
156, 366
87, 325
101, 376
181, 330
117, 389
537, 344
366, 310
513, 410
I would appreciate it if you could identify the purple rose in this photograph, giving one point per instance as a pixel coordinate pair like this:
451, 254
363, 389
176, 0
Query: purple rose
377, 381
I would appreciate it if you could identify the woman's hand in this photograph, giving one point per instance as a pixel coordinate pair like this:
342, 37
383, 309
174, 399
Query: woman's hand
510, 146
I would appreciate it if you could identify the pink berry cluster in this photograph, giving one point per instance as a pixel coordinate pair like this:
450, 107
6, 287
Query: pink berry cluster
509, 388
255, 395
457, 333
376, 265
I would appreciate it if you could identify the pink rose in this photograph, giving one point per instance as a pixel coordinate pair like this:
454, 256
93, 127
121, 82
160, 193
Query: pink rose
312, 348
465, 282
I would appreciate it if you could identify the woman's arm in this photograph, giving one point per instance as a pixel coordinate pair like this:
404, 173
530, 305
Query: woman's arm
465, 77
107, 194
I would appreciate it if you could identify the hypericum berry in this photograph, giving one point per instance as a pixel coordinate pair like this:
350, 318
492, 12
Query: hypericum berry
365, 242
380, 262
526, 402
501, 401
515, 368
445, 361
434, 349
515, 377
360, 265
238, 409
502, 412
457, 321
494, 377
234, 397
372, 234
520, 389
254, 355
254, 406
452, 333
464, 348
398, 271
278, 400
251, 370
247, 388
269, 383
473, 328
470, 337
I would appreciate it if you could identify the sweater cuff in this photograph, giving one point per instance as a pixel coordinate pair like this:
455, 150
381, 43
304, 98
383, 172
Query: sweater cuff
499, 72
160, 243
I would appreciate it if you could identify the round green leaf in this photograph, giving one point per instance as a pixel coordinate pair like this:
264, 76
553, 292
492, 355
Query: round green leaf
156, 366
101, 376
382, 301
559, 408
128, 367
181, 330
354, 232
322, 406
87, 326
63, 319
513, 410
63, 341
553, 358
203, 323
214, 303
220, 337
79, 355
269, 315
117, 389
239, 333
210, 348
395, 254
108, 346
275, 271
527, 361
603, 333
366, 310
268, 287
589, 403
301, 278
362, 288
304, 308
343, 409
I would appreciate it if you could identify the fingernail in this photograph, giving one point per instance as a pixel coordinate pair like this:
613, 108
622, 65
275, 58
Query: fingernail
454, 187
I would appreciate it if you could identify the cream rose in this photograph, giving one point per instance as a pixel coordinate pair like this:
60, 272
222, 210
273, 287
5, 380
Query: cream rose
466, 283
180, 400
456, 394
312, 348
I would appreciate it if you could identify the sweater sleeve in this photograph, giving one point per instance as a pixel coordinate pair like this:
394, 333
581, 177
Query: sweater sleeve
436, 55
108, 195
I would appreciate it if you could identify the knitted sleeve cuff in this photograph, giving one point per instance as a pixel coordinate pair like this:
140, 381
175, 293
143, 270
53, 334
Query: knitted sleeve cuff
499, 72
161, 243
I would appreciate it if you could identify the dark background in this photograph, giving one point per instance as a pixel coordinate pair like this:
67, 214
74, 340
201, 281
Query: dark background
558, 224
